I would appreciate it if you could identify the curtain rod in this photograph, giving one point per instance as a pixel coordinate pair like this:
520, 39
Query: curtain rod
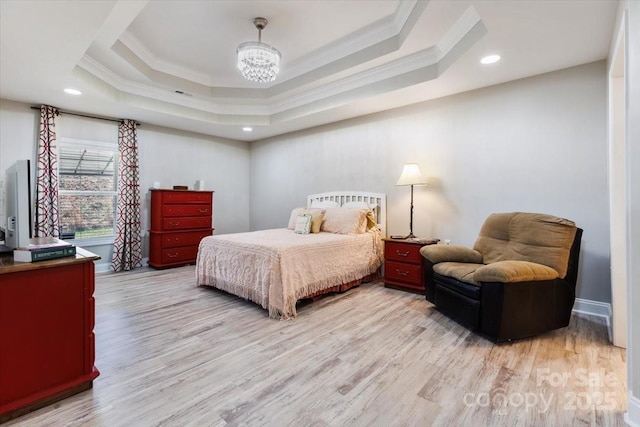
86, 115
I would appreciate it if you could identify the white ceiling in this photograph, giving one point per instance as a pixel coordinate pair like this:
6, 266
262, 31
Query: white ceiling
341, 59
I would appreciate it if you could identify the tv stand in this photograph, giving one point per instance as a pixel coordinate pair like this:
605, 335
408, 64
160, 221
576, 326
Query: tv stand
47, 314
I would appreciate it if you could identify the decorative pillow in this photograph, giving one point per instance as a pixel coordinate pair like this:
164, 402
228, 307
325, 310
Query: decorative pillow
345, 221
324, 204
370, 219
303, 224
316, 218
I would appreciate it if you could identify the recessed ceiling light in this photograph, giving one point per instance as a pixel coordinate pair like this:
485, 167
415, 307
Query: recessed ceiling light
71, 91
490, 59
247, 129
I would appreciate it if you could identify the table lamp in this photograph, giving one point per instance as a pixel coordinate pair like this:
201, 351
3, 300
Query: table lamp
411, 176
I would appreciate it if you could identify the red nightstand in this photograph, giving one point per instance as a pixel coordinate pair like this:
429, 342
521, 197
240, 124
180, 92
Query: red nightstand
403, 265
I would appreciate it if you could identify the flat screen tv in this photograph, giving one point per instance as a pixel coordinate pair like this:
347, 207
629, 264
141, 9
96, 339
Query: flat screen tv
18, 205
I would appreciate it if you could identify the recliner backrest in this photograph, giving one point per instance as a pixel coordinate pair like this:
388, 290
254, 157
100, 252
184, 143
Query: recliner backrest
520, 236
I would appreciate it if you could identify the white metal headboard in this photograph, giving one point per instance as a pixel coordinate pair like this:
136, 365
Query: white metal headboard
378, 201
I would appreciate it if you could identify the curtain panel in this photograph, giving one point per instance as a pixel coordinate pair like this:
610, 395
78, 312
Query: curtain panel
127, 247
47, 219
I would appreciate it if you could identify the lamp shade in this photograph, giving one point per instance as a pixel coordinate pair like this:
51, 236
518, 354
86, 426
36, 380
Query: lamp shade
411, 175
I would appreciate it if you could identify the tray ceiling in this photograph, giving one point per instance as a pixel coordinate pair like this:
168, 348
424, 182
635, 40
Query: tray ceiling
172, 63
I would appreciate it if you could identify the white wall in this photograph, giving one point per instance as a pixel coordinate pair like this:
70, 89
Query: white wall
633, 219
632, 167
18, 134
618, 187
536, 144
169, 156
175, 157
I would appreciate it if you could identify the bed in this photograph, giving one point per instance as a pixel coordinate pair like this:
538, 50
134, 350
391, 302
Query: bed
276, 268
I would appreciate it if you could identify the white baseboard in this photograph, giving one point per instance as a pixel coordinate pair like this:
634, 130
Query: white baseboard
102, 267
595, 308
105, 267
632, 416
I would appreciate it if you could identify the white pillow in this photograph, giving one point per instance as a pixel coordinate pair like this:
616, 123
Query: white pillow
303, 224
372, 217
316, 218
324, 204
345, 221
356, 205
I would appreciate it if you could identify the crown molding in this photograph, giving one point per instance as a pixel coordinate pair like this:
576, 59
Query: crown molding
384, 33
151, 61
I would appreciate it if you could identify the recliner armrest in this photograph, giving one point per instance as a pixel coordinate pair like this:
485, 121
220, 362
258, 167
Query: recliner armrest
514, 271
450, 253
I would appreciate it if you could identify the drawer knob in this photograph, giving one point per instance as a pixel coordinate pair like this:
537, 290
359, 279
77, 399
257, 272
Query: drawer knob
172, 255
174, 224
204, 210
402, 253
402, 273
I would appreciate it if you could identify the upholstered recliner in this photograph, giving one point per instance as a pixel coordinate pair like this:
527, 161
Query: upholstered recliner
519, 279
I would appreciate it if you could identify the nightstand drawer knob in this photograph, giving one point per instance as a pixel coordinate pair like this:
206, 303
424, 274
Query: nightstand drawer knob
173, 255
402, 273
402, 253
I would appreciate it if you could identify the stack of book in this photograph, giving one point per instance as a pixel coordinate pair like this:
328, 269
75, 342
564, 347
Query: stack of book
43, 248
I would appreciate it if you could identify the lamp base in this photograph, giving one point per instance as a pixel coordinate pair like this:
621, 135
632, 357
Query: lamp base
410, 236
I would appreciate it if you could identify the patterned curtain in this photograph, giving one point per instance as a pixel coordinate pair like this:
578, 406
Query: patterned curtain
47, 221
127, 248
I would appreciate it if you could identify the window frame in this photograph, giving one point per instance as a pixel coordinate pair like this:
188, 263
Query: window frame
93, 145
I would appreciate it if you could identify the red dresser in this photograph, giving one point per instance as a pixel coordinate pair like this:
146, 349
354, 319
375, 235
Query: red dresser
47, 345
179, 220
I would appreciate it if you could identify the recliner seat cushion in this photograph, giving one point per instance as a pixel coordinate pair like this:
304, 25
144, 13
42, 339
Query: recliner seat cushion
461, 271
538, 238
501, 271
514, 271
450, 253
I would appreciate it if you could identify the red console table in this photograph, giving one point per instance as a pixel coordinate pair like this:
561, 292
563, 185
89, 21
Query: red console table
47, 348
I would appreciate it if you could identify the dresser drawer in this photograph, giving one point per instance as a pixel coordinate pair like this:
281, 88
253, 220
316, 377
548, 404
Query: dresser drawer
181, 254
185, 223
407, 273
186, 210
187, 238
403, 252
188, 197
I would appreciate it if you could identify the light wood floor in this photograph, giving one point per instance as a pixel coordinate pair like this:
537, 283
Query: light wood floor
172, 354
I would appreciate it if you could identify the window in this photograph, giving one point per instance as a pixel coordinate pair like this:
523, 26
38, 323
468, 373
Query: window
88, 184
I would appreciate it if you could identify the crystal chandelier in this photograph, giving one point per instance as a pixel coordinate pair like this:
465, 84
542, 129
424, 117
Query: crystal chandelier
258, 61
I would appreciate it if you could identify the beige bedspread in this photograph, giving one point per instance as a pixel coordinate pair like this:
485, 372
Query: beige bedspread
275, 268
